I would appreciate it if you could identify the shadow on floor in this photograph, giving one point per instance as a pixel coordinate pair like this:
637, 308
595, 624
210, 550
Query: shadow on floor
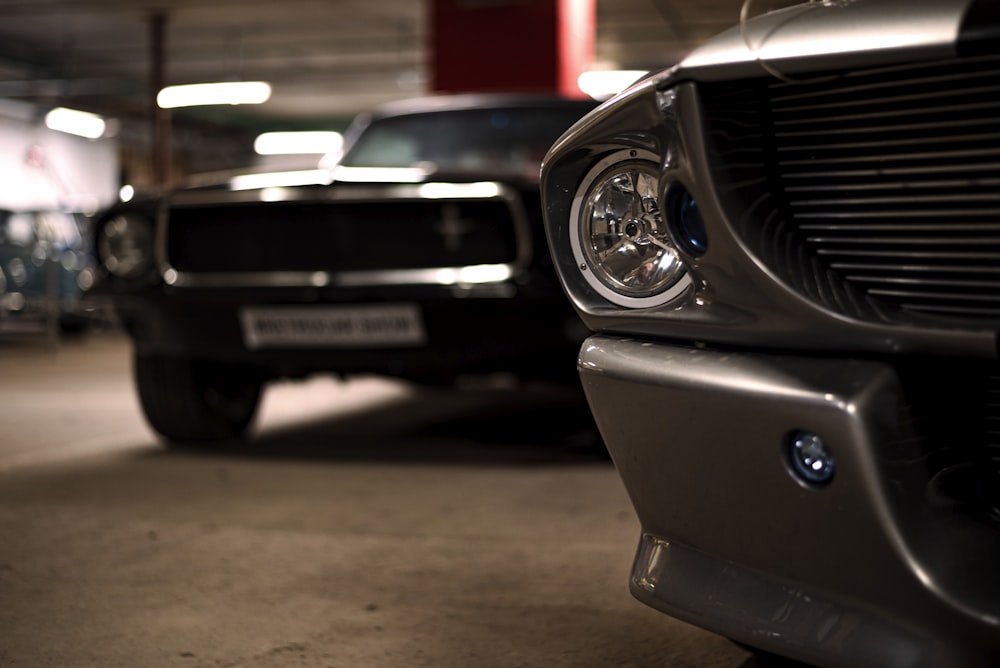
434, 425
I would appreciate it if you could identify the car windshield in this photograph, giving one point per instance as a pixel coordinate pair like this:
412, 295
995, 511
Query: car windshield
502, 140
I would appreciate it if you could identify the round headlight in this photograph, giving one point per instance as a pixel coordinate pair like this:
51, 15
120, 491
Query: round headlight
622, 244
125, 245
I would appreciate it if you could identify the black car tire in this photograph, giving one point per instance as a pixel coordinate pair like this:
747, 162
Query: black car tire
763, 659
192, 402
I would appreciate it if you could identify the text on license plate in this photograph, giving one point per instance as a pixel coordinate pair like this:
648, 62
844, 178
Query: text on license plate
356, 326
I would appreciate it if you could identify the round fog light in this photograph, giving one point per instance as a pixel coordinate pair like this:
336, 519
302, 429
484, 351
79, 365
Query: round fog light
809, 459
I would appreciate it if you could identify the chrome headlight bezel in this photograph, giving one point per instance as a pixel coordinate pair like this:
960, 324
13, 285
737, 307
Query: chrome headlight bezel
644, 239
125, 245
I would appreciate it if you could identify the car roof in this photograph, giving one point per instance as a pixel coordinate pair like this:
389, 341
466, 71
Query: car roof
472, 101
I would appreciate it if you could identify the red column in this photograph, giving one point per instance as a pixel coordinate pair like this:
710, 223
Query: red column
510, 45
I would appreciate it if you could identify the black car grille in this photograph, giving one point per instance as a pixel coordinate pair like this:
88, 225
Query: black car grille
340, 236
876, 193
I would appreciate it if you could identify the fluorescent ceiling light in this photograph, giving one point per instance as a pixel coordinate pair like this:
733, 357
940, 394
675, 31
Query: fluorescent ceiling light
230, 92
302, 177
74, 122
380, 174
602, 84
482, 189
288, 143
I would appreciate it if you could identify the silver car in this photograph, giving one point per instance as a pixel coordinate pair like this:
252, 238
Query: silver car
787, 248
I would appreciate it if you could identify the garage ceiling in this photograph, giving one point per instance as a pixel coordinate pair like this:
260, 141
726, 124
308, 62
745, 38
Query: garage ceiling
325, 59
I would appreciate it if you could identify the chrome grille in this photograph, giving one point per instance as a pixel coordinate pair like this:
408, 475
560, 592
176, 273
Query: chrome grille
384, 235
881, 189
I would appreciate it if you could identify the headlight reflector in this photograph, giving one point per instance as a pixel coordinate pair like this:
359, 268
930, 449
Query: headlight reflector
125, 245
622, 243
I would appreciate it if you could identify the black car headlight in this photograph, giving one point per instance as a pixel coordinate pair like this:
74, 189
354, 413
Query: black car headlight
622, 242
125, 245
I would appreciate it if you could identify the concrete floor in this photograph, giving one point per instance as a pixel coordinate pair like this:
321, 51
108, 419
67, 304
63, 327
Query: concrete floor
366, 524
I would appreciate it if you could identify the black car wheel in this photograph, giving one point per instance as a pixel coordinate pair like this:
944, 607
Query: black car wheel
191, 402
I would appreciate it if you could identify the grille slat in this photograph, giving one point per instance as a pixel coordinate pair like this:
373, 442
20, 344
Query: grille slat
905, 241
928, 283
835, 175
914, 255
891, 227
947, 156
902, 198
917, 78
928, 269
792, 116
883, 143
911, 294
854, 186
923, 127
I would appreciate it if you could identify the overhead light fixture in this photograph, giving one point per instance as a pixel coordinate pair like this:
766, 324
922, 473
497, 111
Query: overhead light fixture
228, 92
284, 179
602, 84
75, 122
297, 143
380, 174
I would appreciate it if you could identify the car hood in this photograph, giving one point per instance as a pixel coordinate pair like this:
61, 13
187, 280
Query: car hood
256, 182
840, 34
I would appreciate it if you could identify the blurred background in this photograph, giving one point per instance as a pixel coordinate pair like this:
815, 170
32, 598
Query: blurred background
368, 524
83, 123
324, 60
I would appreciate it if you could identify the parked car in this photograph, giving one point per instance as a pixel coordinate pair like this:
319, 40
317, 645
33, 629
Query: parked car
46, 264
787, 247
418, 255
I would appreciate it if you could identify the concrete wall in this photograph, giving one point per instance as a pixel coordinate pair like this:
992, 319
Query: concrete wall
44, 168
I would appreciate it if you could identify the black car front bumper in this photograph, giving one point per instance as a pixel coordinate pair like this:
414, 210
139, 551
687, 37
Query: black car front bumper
495, 329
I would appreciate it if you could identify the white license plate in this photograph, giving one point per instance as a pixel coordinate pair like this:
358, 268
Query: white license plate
348, 326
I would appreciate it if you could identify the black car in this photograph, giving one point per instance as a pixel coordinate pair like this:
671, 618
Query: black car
418, 255
788, 249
